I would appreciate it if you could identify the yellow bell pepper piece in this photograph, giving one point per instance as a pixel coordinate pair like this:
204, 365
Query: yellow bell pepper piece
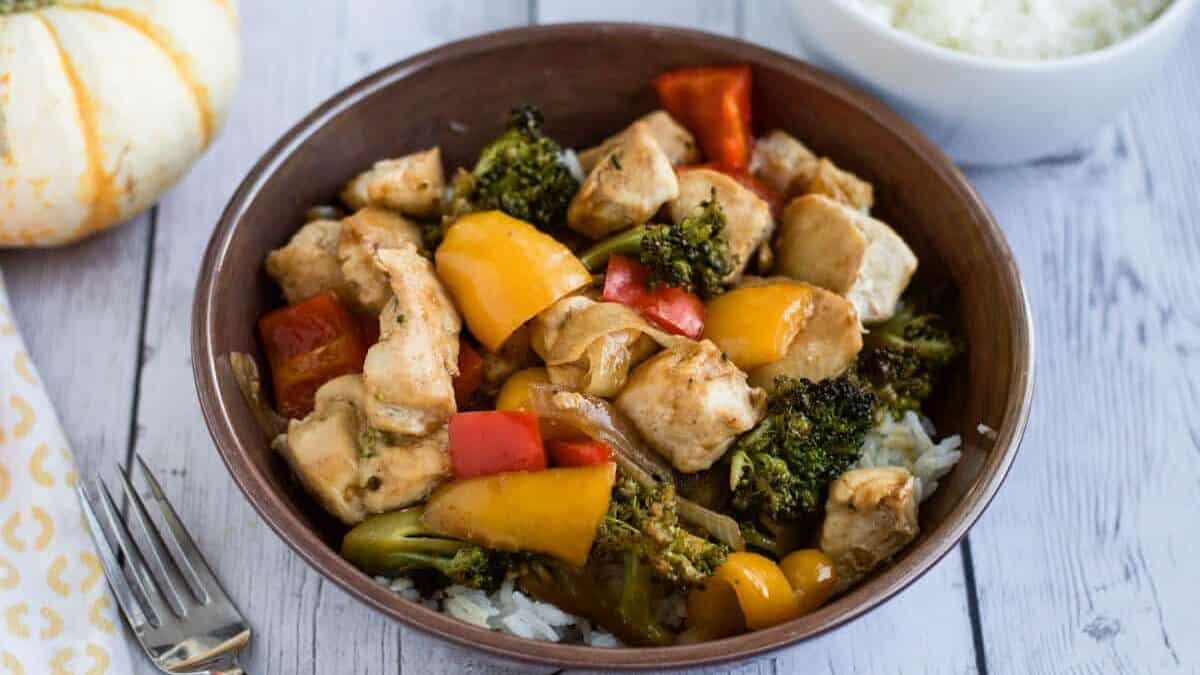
812, 576
514, 395
762, 590
755, 325
555, 511
503, 271
713, 611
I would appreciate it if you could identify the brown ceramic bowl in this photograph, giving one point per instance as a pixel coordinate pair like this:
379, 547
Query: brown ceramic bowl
591, 80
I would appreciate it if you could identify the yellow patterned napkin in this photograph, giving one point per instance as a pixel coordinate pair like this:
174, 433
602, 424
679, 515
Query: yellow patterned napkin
56, 614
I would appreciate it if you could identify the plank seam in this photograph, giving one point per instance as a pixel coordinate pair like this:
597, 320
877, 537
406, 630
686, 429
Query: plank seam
972, 592
140, 358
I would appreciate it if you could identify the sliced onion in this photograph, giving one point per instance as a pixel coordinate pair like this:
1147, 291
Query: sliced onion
564, 411
557, 407
245, 371
723, 528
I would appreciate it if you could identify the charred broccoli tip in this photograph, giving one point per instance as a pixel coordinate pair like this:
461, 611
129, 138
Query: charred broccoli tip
691, 254
520, 173
644, 521
903, 357
812, 433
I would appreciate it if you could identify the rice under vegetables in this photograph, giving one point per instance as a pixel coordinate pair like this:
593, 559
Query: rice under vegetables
906, 443
507, 610
1017, 29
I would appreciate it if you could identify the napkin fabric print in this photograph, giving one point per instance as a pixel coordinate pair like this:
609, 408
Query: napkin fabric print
56, 614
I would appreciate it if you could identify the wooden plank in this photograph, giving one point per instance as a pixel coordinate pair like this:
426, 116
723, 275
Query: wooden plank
769, 24
303, 624
79, 310
1085, 561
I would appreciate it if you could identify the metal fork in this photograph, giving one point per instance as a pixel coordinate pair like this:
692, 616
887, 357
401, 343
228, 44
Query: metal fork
168, 595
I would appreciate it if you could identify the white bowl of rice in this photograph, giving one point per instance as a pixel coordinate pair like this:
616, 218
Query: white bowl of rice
998, 81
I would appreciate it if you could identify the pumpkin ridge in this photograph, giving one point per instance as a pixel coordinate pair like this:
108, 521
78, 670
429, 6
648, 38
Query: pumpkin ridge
103, 208
178, 59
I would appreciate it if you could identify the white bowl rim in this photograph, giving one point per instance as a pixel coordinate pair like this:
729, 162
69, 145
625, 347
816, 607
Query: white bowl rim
1178, 10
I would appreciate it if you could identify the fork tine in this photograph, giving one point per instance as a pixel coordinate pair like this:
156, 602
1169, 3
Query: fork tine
189, 553
108, 560
155, 545
141, 576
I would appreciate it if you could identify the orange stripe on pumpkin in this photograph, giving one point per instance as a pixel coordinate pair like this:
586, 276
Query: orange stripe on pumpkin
96, 180
181, 61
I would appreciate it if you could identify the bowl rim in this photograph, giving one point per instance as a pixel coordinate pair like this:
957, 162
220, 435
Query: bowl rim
207, 370
1177, 10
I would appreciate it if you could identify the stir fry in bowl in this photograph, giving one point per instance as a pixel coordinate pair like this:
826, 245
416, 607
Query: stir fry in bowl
666, 389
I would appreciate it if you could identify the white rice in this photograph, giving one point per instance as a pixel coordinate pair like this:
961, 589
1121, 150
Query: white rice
506, 610
907, 443
1027, 30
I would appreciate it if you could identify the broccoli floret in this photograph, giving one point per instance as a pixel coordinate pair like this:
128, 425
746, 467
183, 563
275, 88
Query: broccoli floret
918, 329
692, 254
520, 173
643, 521
812, 433
398, 543
900, 379
904, 356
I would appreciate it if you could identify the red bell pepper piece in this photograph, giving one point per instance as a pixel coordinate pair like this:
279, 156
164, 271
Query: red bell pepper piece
566, 452
625, 281
675, 310
309, 343
671, 308
747, 180
493, 441
470, 373
714, 103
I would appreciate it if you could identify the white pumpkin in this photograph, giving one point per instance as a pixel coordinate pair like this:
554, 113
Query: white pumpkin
103, 105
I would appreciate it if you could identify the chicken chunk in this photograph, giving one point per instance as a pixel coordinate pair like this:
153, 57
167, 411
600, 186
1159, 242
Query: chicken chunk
409, 372
871, 514
401, 475
821, 242
842, 186
783, 163
748, 220
824, 348
364, 233
676, 141
625, 189
412, 184
848, 252
352, 470
690, 403
308, 264
591, 346
887, 268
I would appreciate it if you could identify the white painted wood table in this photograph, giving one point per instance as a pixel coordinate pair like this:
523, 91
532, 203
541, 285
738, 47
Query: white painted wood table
1086, 561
